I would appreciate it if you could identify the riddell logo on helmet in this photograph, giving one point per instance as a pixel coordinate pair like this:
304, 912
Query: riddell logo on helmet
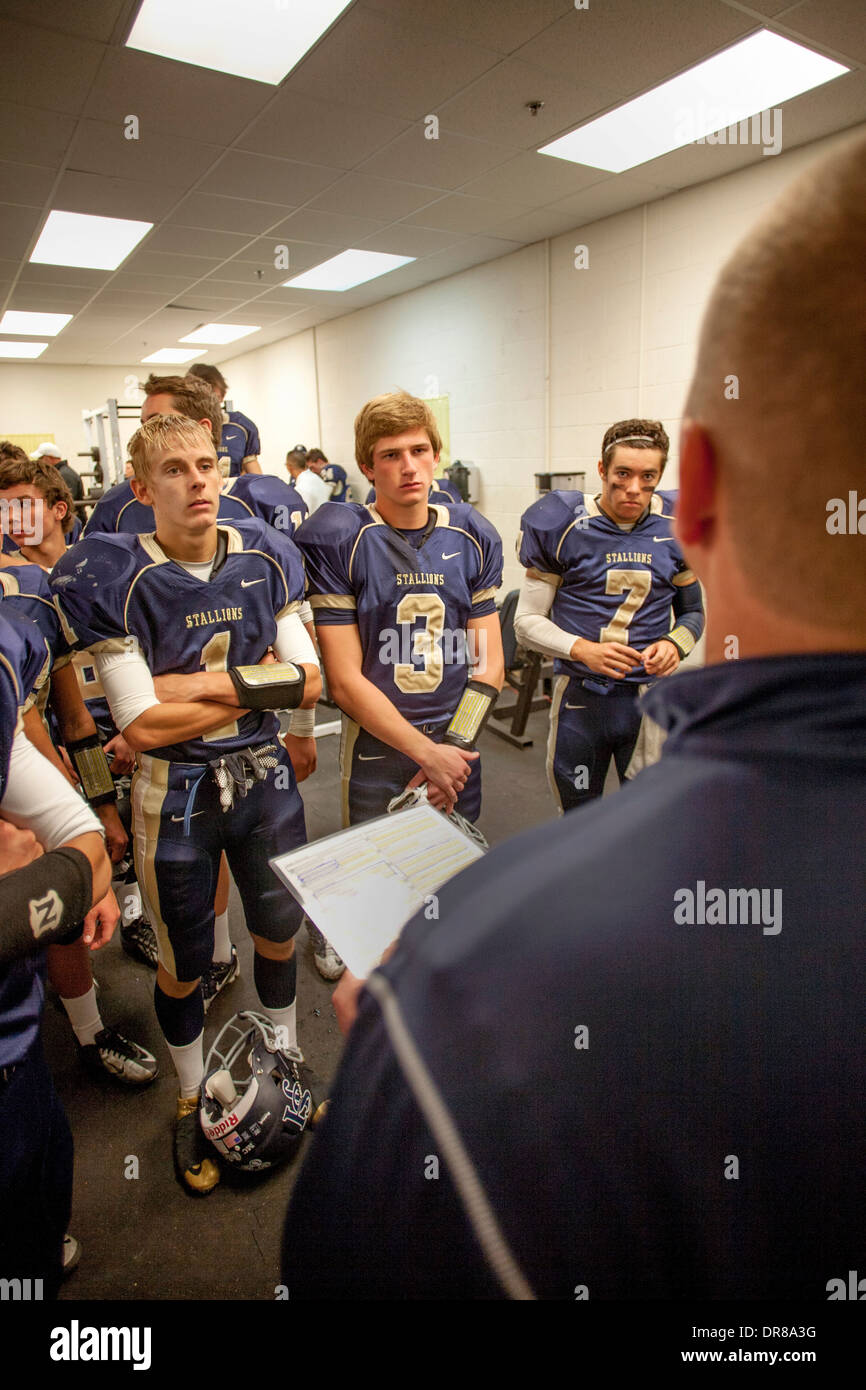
222, 1127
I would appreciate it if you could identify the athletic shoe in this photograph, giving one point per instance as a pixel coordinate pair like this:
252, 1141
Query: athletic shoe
138, 939
71, 1255
218, 975
328, 963
197, 1172
112, 1055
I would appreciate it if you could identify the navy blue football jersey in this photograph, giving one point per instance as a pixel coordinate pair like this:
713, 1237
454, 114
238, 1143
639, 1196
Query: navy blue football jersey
25, 593
252, 494
336, 476
411, 601
112, 587
612, 585
240, 440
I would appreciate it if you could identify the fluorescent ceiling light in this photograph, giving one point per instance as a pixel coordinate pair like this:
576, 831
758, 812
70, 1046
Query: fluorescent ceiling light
214, 334
346, 270
17, 321
752, 76
170, 355
30, 349
261, 39
97, 243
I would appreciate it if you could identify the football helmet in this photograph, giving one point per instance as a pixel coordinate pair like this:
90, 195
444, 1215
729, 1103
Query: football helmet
256, 1099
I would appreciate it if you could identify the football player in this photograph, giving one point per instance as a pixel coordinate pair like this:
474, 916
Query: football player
330, 473
402, 594
178, 623
602, 575
239, 437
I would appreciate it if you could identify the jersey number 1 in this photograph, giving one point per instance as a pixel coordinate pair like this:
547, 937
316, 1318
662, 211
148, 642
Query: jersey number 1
215, 657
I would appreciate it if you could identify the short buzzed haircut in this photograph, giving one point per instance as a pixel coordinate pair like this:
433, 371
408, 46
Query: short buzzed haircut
162, 432
778, 390
191, 397
16, 470
396, 412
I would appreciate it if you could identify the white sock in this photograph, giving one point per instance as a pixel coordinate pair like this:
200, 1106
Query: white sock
222, 942
285, 1020
129, 897
189, 1065
83, 1014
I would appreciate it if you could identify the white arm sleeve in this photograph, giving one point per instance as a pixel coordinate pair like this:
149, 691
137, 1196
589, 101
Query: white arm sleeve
39, 798
305, 612
532, 625
293, 644
127, 682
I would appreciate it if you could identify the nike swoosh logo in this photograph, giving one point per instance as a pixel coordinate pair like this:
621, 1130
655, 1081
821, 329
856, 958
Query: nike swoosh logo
178, 819
247, 583
370, 757
663, 538
568, 706
451, 556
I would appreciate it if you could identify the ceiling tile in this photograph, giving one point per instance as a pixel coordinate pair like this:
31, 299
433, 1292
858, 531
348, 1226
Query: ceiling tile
227, 214
244, 175
167, 285
112, 197
836, 24
63, 275
361, 195
56, 299
651, 42
173, 98
31, 136
614, 194
495, 107
384, 65
17, 228
444, 163
27, 184
100, 148
403, 240
457, 213
530, 179
236, 274
305, 126
95, 20
196, 241
209, 303
329, 228
497, 24
51, 71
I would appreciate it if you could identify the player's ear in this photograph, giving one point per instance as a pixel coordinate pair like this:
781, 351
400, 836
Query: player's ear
697, 501
208, 424
141, 492
601, 472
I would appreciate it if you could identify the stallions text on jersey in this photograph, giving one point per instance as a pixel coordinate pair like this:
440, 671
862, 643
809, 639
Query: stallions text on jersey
411, 594
613, 584
112, 589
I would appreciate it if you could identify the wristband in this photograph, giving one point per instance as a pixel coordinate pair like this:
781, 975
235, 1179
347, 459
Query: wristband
276, 685
44, 902
471, 714
91, 764
302, 723
681, 638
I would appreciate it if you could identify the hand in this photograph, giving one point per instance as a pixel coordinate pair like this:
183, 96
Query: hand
18, 847
116, 838
661, 658
123, 758
303, 756
100, 922
345, 1000
447, 769
612, 659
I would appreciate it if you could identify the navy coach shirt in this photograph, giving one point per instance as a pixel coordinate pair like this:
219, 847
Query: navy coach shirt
643, 1026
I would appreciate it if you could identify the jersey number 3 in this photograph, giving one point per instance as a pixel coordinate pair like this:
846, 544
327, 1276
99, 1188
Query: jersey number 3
426, 643
636, 585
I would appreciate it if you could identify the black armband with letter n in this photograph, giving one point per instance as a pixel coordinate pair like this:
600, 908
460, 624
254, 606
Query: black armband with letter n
274, 685
91, 764
44, 902
471, 714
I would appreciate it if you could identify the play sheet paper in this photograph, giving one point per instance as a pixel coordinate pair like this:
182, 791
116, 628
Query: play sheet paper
360, 887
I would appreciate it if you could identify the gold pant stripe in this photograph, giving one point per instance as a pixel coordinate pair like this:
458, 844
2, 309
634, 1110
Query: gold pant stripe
148, 792
559, 684
348, 737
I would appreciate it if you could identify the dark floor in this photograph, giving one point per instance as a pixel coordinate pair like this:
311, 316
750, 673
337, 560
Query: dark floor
144, 1238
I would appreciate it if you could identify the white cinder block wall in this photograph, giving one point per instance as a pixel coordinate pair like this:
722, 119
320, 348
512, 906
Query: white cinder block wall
622, 340
49, 401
